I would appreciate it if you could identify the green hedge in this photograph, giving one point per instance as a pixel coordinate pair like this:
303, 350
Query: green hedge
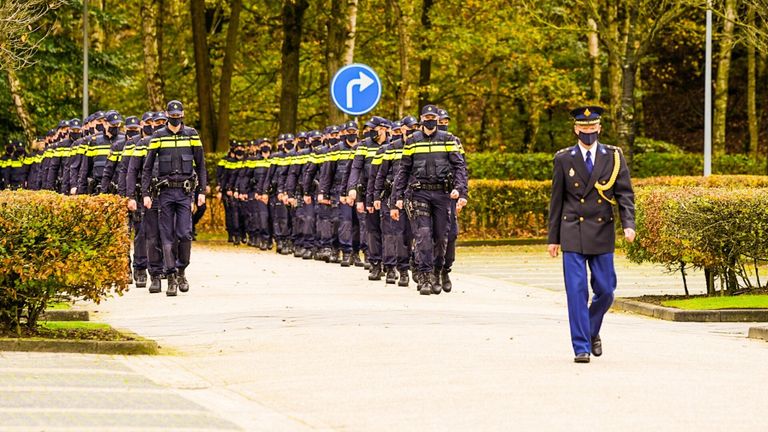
505, 209
54, 247
538, 166
721, 230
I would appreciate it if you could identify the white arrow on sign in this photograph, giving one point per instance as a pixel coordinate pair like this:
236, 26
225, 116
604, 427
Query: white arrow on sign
364, 81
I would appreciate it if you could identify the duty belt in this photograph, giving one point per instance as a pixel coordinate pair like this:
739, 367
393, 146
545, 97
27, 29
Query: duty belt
429, 186
186, 184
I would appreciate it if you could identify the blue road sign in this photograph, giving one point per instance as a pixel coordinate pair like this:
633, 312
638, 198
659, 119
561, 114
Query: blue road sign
356, 89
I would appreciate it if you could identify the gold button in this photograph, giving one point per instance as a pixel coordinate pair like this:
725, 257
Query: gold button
576, 184
599, 219
602, 181
565, 217
581, 219
599, 201
582, 200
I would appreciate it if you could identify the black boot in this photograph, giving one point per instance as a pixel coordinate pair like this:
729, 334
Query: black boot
424, 283
236, 240
445, 281
279, 246
367, 264
155, 285
172, 286
182, 283
230, 238
391, 276
334, 257
308, 254
404, 279
346, 259
263, 245
287, 247
375, 273
298, 252
436, 287
141, 278
356, 261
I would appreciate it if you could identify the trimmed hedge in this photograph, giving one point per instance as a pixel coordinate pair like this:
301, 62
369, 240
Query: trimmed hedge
720, 230
54, 247
538, 166
504, 209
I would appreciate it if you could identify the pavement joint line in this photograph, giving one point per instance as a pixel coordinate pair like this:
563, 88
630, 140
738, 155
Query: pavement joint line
67, 371
137, 411
111, 429
53, 389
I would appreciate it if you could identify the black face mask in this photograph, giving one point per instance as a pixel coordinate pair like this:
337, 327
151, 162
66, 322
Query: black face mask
588, 138
333, 141
443, 128
371, 134
350, 138
175, 121
303, 145
316, 144
239, 154
131, 133
113, 131
147, 129
100, 128
158, 127
288, 146
429, 124
410, 132
74, 136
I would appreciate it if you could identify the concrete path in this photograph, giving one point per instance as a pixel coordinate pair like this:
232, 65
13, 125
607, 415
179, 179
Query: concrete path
273, 343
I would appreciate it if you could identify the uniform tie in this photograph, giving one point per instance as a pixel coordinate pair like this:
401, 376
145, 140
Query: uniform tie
588, 161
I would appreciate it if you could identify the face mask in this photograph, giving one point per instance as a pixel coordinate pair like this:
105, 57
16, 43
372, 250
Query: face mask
175, 121
429, 124
303, 145
288, 146
147, 129
588, 138
239, 153
372, 134
443, 128
131, 133
316, 144
100, 128
74, 136
351, 138
332, 141
113, 131
410, 132
158, 127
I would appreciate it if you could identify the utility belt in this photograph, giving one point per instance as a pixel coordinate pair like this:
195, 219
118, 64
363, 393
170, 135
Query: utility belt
387, 191
445, 186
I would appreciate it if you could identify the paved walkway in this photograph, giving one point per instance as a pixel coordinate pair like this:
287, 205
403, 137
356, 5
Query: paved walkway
270, 343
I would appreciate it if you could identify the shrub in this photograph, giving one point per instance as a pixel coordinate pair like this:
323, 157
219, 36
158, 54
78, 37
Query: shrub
648, 145
54, 246
722, 231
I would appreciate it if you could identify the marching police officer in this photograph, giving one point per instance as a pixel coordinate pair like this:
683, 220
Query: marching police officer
432, 173
181, 170
589, 180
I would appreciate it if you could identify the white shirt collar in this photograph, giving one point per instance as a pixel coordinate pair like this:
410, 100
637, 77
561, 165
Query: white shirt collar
593, 152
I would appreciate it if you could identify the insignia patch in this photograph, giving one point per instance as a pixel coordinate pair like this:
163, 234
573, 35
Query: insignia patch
571, 172
587, 112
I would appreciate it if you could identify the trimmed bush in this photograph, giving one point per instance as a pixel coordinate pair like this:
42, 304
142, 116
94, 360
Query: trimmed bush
57, 247
720, 230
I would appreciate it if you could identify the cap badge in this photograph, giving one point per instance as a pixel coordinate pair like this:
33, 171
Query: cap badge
571, 172
587, 112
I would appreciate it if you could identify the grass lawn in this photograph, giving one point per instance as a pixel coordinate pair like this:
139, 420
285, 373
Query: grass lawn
74, 325
713, 303
59, 306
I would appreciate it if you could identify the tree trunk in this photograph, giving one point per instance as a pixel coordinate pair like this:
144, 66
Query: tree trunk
155, 95
425, 65
96, 27
594, 56
228, 66
334, 50
534, 117
639, 112
159, 26
625, 121
614, 66
721, 81
754, 126
404, 38
203, 75
351, 32
292, 18
21, 109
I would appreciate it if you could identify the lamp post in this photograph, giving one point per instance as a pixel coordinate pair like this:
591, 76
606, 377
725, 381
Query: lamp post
708, 95
85, 59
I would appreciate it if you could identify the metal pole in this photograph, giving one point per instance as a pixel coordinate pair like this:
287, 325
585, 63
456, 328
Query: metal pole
708, 95
85, 59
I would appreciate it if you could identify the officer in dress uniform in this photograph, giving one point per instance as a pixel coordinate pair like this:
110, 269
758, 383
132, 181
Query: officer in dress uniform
181, 171
589, 180
432, 173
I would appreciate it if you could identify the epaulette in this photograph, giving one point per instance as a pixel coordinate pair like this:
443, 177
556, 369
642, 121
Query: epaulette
562, 151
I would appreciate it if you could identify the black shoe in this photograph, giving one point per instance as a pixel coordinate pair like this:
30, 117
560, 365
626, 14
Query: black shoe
308, 254
436, 287
346, 259
287, 248
334, 257
155, 285
597, 346
581, 358
172, 286
367, 265
182, 283
236, 240
263, 245
404, 279
356, 261
141, 278
445, 281
230, 239
279, 247
391, 276
424, 284
375, 273
298, 252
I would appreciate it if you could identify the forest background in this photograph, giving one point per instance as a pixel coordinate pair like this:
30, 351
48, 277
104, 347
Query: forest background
508, 71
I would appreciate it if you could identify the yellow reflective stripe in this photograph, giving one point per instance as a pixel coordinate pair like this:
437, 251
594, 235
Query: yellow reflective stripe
422, 148
139, 152
16, 164
98, 151
371, 153
29, 161
361, 151
222, 162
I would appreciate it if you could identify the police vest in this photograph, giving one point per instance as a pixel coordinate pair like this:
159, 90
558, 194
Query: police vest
175, 154
430, 154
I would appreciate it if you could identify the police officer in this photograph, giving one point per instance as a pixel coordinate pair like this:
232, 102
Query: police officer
34, 163
236, 206
589, 180
259, 184
99, 147
453, 232
15, 172
302, 232
181, 170
431, 174
150, 217
110, 181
